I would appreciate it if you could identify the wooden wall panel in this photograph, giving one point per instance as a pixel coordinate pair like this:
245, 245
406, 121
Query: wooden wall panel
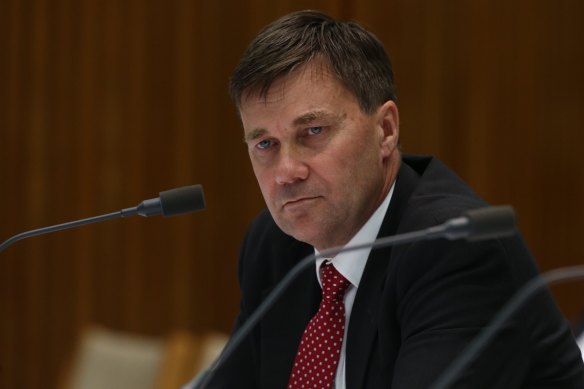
106, 103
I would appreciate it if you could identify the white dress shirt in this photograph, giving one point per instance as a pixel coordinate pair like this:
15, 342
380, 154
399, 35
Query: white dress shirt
351, 265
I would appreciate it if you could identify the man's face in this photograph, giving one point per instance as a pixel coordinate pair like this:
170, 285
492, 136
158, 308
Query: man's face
323, 165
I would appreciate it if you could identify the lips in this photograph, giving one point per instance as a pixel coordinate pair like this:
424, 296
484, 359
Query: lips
298, 202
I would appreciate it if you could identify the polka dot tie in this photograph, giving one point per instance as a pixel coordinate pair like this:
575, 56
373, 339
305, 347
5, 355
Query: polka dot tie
318, 354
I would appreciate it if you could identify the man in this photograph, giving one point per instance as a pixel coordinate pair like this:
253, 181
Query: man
317, 103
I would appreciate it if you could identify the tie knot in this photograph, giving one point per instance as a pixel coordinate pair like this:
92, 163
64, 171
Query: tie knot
333, 283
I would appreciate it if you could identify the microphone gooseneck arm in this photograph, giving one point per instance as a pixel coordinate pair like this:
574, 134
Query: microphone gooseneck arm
270, 300
169, 203
59, 227
482, 223
474, 348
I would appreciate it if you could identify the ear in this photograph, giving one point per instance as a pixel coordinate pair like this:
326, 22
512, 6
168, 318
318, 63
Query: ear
388, 122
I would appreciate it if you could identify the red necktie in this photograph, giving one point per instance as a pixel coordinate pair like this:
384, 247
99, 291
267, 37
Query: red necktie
318, 354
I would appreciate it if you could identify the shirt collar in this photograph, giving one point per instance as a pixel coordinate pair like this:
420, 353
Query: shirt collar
351, 264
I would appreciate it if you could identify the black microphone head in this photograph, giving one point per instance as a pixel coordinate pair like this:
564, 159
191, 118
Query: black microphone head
182, 200
491, 222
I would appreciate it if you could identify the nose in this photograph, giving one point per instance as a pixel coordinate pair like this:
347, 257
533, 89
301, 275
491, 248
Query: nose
290, 167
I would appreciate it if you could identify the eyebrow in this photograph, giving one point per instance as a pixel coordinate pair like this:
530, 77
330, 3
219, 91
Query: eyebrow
299, 121
315, 115
254, 134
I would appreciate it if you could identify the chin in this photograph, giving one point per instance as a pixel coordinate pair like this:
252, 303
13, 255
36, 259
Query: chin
301, 235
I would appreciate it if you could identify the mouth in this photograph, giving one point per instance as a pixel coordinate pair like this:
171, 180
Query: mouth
298, 202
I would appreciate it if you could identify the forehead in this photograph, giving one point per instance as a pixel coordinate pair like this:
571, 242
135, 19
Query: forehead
310, 88
315, 72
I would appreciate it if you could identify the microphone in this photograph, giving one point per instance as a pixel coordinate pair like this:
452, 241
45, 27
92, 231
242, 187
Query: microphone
169, 203
474, 225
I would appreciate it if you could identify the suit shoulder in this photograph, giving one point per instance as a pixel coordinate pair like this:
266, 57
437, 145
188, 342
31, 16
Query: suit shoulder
440, 194
264, 229
267, 247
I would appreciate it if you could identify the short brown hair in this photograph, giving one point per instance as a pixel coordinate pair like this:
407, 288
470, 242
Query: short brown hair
354, 55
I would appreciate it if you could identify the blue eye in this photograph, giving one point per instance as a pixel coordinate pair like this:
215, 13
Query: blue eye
264, 144
314, 130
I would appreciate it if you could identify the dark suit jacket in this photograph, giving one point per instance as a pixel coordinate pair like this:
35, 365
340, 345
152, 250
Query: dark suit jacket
417, 305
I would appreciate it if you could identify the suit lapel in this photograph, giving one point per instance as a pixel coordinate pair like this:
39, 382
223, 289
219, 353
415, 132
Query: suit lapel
282, 327
363, 322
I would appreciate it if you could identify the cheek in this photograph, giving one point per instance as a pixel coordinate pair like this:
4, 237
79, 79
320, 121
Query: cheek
356, 166
339, 173
356, 156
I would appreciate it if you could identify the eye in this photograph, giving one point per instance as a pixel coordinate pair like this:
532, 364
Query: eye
314, 130
264, 144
